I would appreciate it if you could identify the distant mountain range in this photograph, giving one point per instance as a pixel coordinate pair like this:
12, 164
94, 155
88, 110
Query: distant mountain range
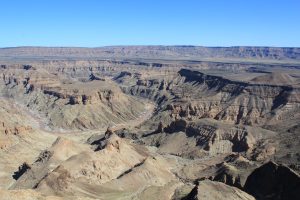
156, 52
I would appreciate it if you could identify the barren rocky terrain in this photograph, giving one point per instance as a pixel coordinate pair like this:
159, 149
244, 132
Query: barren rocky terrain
150, 122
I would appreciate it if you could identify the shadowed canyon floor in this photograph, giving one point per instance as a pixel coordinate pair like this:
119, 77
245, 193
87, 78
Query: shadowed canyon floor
150, 122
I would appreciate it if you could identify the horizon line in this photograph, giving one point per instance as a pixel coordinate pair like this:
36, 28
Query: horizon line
155, 45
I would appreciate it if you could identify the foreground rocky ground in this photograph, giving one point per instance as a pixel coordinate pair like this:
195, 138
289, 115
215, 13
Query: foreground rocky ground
81, 127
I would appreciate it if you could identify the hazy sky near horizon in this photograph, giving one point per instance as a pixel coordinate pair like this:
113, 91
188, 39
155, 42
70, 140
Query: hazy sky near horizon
94, 23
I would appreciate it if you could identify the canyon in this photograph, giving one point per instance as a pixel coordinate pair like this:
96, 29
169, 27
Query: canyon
150, 122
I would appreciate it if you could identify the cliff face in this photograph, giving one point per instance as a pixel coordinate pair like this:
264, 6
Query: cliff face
193, 95
232, 101
75, 96
206, 136
67, 103
220, 113
213, 115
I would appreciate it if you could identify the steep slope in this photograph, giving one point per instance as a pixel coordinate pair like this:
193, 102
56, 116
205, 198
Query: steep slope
13, 124
70, 104
192, 95
206, 136
199, 113
275, 78
217, 191
237, 102
220, 113
272, 182
20, 141
61, 150
117, 169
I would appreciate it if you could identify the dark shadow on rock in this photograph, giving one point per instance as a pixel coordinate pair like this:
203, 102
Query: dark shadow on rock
22, 169
273, 182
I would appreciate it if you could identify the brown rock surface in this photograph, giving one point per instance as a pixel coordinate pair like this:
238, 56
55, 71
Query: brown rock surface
70, 104
216, 118
211, 190
24, 195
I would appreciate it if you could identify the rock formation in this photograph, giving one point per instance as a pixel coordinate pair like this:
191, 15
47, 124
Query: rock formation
70, 105
217, 191
184, 122
273, 181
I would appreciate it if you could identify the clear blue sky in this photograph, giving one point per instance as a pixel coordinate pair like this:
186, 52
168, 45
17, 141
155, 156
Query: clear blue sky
95, 23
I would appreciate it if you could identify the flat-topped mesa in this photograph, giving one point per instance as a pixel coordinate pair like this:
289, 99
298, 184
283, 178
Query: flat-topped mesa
158, 51
219, 83
70, 102
72, 92
58, 91
274, 78
74, 97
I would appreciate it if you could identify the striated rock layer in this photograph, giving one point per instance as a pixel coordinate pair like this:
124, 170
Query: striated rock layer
68, 104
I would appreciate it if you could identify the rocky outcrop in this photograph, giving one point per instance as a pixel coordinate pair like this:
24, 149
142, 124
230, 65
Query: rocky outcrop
48, 160
231, 101
216, 137
209, 126
119, 166
211, 190
228, 174
155, 87
75, 98
13, 124
68, 103
16, 130
22, 169
233, 171
273, 182
192, 95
